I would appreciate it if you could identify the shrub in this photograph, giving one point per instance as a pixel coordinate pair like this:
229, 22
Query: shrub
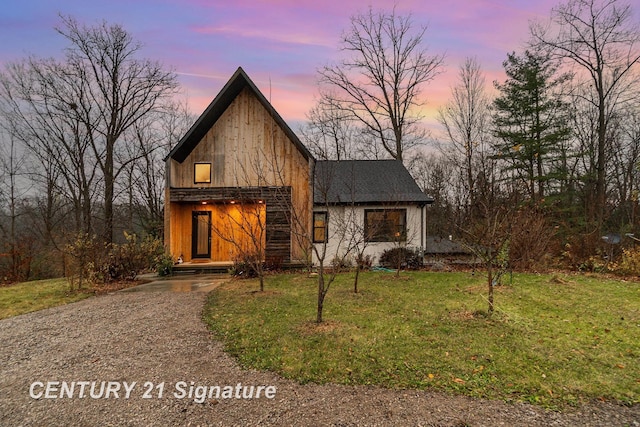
531, 239
89, 261
341, 263
401, 258
164, 264
587, 252
364, 262
83, 256
125, 261
244, 265
274, 263
630, 262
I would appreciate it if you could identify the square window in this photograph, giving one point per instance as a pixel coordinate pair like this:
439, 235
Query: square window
385, 225
202, 173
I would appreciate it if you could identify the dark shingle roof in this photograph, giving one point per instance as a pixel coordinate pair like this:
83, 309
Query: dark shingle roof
221, 102
365, 182
437, 245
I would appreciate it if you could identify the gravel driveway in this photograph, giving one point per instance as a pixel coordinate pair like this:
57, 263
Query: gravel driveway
158, 337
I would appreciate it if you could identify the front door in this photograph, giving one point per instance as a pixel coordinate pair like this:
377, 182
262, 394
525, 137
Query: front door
201, 235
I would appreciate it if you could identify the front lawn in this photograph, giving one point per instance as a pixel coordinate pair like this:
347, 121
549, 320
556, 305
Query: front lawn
554, 340
31, 296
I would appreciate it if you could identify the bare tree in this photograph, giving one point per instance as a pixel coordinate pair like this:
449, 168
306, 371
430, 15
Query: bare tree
487, 236
241, 218
339, 230
35, 98
73, 113
378, 84
12, 169
328, 133
150, 139
243, 225
117, 90
599, 38
440, 177
625, 157
465, 119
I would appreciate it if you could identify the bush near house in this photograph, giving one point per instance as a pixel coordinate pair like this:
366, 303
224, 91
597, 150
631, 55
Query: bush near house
400, 257
90, 261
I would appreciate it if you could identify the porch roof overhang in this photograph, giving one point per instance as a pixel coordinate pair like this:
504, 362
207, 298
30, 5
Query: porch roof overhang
227, 194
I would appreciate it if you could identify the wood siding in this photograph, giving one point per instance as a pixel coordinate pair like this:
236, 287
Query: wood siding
276, 204
246, 148
251, 159
228, 222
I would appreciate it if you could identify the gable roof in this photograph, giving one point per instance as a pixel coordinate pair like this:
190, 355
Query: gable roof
218, 106
365, 182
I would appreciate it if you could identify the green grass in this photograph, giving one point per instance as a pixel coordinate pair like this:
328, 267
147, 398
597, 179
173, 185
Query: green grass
31, 296
554, 340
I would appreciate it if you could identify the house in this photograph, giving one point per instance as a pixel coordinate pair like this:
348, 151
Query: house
375, 204
240, 182
238, 171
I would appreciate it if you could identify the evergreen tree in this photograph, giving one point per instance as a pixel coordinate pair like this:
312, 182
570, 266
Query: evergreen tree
530, 120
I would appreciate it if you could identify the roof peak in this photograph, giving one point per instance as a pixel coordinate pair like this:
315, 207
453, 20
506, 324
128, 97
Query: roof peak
238, 81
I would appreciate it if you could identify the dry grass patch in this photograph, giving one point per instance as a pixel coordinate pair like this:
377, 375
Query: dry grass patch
311, 328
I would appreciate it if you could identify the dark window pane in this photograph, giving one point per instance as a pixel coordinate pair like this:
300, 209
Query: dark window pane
385, 225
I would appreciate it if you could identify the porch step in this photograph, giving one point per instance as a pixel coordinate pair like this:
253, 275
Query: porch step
183, 269
221, 268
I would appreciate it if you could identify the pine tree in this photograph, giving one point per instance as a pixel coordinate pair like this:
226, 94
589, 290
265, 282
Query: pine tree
530, 120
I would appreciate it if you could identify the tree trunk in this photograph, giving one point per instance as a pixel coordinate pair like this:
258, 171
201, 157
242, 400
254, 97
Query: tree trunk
321, 294
355, 280
601, 166
490, 282
108, 191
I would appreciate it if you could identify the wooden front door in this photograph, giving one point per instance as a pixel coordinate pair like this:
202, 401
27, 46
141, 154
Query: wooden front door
201, 234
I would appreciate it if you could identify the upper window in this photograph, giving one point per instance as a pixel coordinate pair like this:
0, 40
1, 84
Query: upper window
385, 225
202, 173
320, 229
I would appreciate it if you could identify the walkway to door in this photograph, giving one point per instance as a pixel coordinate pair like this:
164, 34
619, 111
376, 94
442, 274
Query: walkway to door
190, 283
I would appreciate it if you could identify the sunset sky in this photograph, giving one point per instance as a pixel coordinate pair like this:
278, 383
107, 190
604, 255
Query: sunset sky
279, 43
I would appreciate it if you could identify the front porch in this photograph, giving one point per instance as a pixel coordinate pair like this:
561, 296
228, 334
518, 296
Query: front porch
211, 228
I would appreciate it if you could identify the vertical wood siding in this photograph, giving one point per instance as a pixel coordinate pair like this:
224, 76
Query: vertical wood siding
247, 150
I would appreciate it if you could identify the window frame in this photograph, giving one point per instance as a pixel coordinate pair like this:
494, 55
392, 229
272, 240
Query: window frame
325, 226
195, 172
386, 233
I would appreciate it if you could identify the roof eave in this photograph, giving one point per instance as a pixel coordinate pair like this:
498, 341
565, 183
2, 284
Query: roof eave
218, 106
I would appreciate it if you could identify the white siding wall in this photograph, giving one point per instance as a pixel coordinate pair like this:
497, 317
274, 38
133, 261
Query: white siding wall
345, 222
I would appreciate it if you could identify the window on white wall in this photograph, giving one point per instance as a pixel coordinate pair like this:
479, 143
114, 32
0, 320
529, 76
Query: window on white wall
385, 225
320, 227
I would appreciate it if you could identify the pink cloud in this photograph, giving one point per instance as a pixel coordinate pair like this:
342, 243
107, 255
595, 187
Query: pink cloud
281, 41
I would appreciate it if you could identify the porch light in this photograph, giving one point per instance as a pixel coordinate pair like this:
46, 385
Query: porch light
204, 203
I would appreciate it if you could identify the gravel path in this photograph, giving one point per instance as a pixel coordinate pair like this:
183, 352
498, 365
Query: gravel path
158, 337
